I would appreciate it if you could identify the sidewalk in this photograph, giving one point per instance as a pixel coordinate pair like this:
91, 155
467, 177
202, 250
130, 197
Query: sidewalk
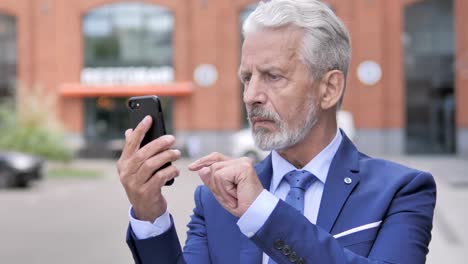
61, 216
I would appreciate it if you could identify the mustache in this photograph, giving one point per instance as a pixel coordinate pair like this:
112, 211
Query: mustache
261, 112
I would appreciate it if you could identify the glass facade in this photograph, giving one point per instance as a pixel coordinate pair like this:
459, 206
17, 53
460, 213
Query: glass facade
429, 42
8, 58
124, 40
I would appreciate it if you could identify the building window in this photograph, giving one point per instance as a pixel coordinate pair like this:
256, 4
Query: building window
128, 35
127, 43
8, 58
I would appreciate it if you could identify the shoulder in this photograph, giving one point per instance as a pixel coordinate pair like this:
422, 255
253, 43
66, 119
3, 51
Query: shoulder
388, 173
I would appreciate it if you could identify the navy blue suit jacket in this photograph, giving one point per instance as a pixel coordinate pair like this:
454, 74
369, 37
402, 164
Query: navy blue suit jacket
402, 198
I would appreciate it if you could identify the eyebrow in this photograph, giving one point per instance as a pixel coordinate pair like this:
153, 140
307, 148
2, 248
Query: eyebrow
270, 69
241, 72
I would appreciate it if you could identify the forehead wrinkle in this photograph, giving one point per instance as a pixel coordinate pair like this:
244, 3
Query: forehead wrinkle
281, 51
289, 52
284, 62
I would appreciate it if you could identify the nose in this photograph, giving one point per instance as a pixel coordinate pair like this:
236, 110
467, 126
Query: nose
254, 92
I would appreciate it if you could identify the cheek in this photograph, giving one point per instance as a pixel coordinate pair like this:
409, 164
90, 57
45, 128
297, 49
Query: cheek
292, 102
288, 111
296, 112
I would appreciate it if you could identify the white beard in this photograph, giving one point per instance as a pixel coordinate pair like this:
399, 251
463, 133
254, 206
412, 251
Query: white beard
286, 136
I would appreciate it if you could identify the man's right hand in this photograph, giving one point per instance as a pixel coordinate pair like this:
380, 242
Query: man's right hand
136, 168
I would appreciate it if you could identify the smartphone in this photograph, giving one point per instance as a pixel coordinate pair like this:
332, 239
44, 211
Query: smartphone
142, 106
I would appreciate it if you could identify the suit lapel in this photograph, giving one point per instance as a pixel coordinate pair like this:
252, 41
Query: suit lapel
249, 252
264, 171
337, 189
336, 192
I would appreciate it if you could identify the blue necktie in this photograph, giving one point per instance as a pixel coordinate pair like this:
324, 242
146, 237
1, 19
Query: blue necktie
299, 182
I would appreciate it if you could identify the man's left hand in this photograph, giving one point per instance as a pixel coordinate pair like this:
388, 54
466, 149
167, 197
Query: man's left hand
233, 182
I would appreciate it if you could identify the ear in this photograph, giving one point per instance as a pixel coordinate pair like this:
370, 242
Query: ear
331, 89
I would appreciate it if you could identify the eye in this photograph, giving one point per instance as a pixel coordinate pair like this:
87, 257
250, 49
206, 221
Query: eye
245, 78
273, 77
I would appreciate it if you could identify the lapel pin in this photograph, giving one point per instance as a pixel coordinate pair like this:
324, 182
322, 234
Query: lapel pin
348, 180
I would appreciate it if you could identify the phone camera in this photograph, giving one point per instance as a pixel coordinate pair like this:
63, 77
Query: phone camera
133, 105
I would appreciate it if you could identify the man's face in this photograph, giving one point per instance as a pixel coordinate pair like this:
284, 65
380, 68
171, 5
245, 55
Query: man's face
278, 88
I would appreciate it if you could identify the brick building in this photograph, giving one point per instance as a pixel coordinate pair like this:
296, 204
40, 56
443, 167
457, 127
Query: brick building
406, 89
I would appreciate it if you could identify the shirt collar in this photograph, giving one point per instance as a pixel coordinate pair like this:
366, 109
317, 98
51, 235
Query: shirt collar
318, 166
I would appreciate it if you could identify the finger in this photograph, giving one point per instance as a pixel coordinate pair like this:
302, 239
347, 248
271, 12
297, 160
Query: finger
125, 150
206, 173
207, 161
156, 146
151, 149
213, 178
205, 176
159, 179
223, 184
133, 140
150, 166
229, 169
128, 132
232, 191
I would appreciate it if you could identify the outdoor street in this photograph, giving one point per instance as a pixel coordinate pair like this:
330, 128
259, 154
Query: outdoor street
76, 220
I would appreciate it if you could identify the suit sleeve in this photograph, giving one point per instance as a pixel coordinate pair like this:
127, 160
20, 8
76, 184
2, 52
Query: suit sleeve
403, 237
166, 249
196, 247
163, 249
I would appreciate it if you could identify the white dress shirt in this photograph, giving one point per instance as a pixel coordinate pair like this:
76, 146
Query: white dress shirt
257, 214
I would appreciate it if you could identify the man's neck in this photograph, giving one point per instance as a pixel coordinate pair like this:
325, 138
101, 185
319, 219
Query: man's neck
315, 141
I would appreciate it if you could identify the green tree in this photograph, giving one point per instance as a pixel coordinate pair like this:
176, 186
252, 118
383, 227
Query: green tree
31, 127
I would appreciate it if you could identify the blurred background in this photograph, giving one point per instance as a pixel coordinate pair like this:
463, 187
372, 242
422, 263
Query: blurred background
67, 68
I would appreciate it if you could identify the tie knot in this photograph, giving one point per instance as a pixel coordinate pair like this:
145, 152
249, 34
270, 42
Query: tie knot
300, 179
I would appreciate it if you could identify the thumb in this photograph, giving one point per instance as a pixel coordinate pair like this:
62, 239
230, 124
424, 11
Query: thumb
205, 175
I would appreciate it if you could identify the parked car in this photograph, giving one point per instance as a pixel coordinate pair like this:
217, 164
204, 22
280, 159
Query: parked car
19, 169
243, 144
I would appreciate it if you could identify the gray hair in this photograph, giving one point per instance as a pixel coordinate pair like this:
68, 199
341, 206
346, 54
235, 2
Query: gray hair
326, 44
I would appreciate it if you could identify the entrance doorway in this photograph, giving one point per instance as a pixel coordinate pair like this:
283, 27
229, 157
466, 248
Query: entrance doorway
429, 69
125, 44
